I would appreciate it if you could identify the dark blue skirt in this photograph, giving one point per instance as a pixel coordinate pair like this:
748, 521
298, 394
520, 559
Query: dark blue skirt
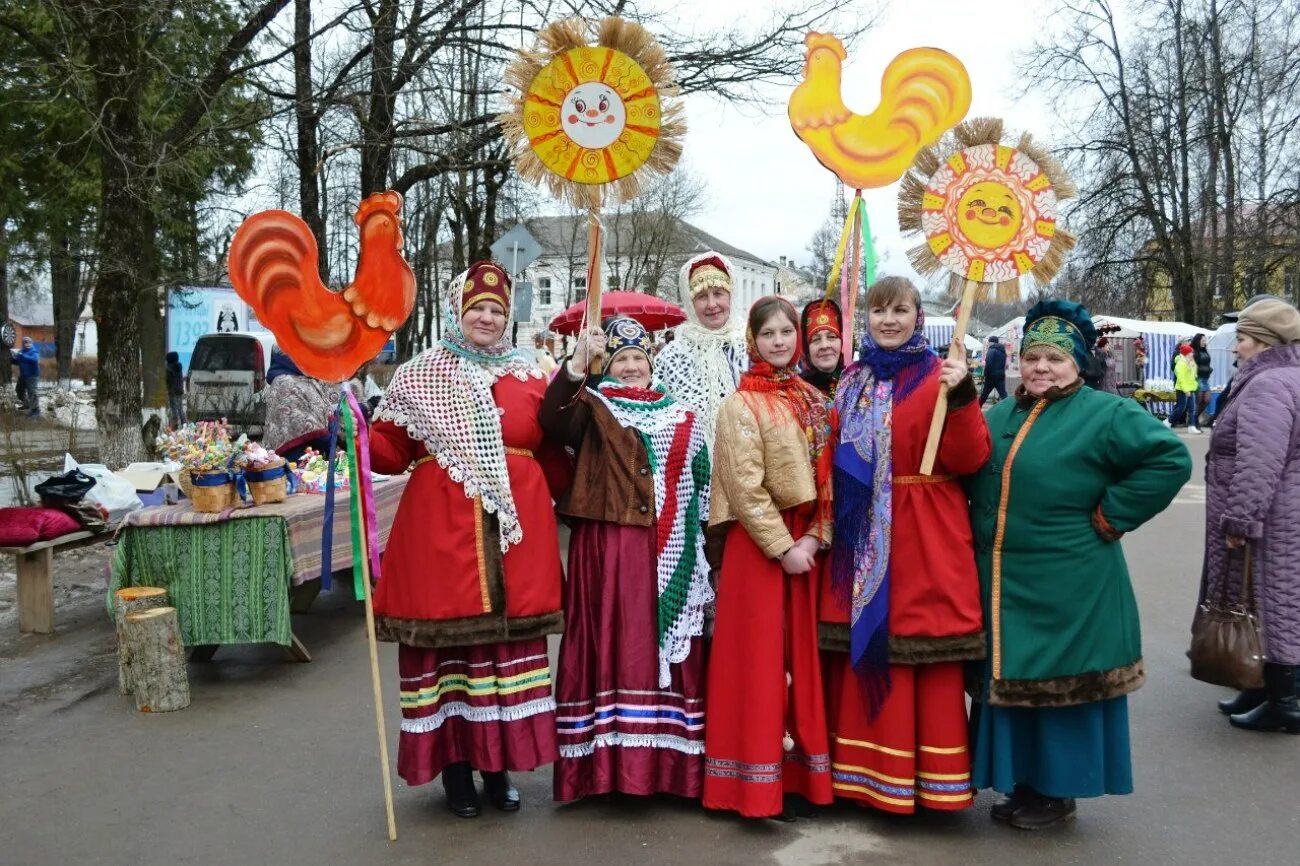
1080, 751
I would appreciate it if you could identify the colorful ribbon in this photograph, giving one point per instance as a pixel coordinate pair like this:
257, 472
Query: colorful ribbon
327, 529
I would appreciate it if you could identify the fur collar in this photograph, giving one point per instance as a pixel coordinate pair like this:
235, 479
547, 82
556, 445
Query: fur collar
1025, 401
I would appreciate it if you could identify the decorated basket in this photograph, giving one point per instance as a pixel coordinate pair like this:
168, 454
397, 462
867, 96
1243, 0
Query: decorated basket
211, 492
268, 484
183, 481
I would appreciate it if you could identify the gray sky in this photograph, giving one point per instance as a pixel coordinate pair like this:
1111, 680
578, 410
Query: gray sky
768, 194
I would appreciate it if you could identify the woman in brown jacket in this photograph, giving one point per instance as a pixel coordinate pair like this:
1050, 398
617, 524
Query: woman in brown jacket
630, 685
766, 751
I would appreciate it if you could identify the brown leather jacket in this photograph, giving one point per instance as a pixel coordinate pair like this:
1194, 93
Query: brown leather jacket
612, 481
760, 469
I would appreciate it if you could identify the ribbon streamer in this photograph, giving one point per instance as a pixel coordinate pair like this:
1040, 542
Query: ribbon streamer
327, 529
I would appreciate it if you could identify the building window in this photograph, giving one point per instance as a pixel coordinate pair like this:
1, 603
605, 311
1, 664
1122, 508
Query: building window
580, 283
614, 282
544, 291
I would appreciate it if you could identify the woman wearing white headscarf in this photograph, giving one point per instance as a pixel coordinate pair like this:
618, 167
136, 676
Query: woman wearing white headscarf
701, 367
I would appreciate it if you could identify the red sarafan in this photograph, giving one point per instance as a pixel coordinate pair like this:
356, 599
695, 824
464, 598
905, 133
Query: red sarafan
328, 334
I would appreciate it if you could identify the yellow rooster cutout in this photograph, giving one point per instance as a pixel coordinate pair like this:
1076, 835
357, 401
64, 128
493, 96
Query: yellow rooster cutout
924, 92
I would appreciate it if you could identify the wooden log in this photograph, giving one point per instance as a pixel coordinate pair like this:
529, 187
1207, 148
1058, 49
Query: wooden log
158, 674
132, 599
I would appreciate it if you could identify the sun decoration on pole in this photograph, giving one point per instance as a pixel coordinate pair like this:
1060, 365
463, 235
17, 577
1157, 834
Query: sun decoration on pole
988, 211
585, 116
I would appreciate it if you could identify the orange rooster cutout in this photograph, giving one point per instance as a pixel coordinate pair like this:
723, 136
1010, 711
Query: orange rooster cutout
328, 334
924, 92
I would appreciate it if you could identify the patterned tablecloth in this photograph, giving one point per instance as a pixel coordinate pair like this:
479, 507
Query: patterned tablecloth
229, 573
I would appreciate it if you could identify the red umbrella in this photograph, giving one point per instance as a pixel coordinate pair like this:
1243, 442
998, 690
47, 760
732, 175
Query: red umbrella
650, 311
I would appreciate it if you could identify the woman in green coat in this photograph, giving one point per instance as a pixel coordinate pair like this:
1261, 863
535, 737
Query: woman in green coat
1072, 470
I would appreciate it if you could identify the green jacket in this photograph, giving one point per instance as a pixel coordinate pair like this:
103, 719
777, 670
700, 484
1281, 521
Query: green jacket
1068, 475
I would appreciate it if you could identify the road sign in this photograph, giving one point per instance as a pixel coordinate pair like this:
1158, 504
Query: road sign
516, 249
523, 301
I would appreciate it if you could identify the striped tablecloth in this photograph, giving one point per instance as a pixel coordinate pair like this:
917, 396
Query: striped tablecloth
229, 574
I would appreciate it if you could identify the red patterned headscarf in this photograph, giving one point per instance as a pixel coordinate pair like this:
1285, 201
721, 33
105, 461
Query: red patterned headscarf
485, 281
805, 402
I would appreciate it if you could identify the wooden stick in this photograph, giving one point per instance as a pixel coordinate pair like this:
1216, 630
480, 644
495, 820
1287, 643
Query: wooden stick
374, 668
851, 302
941, 403
593, 280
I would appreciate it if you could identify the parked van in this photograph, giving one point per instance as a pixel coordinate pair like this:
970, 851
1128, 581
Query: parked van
227, 377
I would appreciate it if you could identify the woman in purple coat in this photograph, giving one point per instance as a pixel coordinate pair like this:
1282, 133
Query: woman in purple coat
1253, 505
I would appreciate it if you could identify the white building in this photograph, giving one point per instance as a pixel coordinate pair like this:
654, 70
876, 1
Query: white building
644, 254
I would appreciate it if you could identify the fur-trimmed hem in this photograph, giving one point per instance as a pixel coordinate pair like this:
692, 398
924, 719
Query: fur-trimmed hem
834, 637
1068, 691
467, 631
964, 394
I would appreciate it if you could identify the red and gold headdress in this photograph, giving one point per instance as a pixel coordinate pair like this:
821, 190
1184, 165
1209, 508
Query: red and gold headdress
485, 281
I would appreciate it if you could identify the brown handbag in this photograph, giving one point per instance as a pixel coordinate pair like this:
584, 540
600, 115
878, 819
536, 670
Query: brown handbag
1226, 648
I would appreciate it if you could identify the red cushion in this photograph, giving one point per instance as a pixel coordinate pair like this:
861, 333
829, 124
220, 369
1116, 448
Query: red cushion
20, 527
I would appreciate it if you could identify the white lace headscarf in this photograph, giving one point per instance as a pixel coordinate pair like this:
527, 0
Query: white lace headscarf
701, 367
443, 397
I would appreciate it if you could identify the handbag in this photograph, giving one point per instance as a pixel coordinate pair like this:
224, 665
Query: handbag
1226, 649
71, 486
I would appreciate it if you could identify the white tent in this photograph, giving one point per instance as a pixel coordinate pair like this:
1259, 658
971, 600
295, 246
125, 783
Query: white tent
939, 331
1221, 358
1161, 338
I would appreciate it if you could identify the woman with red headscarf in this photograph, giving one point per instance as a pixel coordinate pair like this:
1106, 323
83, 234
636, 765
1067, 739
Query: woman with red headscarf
823, 338
765, 750
471, 577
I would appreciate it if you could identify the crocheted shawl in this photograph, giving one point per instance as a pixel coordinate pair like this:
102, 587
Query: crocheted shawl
864, 497
700, 367
806, 403
679, 461
443, 397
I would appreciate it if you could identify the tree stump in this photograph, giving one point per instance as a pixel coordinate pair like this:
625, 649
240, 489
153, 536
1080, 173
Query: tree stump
158, 674
132, 599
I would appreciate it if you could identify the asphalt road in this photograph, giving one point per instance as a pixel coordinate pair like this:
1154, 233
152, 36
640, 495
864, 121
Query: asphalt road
276, 763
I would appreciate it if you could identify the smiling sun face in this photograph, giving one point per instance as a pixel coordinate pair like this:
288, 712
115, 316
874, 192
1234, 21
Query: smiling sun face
989, 215
593, 115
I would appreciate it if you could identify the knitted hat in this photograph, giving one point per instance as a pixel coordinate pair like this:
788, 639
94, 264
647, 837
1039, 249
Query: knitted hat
708, 271
1270, 322
1064, 325
1185, 349
623, 334
485, 281
821, 316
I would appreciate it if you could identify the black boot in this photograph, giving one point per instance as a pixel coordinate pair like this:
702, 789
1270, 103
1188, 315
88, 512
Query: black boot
1245, 701
458, 782
1280, 712
501, 791
1005, 807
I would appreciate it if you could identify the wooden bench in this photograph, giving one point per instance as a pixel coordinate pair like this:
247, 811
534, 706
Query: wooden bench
36, 577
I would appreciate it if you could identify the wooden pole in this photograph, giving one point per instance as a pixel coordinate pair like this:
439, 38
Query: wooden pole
593, 279
158, 675
850, 304
374, 670
941, 403
131, 599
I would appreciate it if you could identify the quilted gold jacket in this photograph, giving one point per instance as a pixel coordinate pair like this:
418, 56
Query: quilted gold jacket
761, 468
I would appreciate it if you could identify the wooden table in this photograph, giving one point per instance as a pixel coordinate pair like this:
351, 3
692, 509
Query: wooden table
235, 576
36, 577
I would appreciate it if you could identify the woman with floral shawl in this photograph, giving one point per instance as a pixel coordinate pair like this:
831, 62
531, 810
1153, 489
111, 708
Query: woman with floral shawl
630, 684
765, 746
901, 609
471, 576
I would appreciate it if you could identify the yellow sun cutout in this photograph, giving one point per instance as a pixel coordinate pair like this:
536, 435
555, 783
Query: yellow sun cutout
989, 215
592, 115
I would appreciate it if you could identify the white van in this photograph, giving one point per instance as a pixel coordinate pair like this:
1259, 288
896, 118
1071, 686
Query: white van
226, 379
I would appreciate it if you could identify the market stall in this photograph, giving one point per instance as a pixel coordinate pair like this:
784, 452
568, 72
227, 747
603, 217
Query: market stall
230, 573
939, 331
1155, 383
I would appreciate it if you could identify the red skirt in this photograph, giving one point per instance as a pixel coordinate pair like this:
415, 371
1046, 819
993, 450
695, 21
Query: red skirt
915, 752
490, 705
618, 730
766, 628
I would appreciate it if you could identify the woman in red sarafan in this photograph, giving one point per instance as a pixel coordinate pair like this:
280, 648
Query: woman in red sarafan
471, 576
766, 752
901, 608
